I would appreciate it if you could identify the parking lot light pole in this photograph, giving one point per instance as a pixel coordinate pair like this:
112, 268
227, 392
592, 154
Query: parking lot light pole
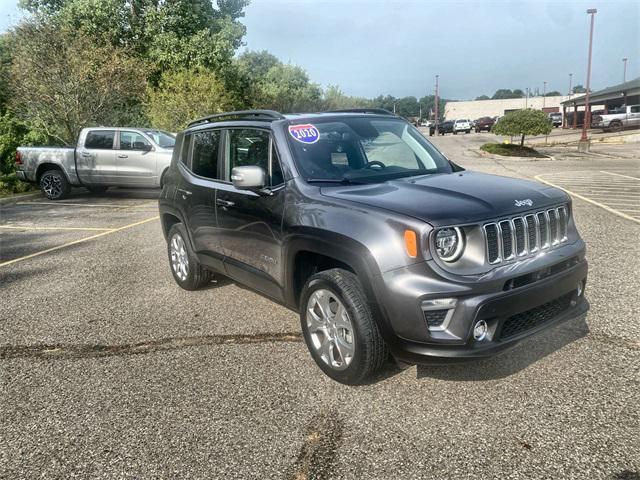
570, 84
583, 145
544, 94
437, 111
624, 74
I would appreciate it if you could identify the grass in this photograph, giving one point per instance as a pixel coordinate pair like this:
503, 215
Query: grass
511, 150
10, 184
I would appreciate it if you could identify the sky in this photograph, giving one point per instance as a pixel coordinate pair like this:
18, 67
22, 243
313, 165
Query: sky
378, 47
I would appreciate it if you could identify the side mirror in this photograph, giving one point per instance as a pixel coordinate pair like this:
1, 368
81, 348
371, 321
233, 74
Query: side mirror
250, 177
147, 147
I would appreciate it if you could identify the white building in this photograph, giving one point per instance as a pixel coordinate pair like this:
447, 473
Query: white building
475, 109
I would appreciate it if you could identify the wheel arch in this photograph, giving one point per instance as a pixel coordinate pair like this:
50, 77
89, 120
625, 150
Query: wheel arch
45, 167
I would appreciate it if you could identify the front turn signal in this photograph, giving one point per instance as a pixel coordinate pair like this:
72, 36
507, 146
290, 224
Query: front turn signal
411, 243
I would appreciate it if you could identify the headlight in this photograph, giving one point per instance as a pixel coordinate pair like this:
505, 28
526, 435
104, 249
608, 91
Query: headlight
449, 243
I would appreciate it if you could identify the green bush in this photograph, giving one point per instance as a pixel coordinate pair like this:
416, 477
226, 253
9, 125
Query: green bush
510, 150
523, 122
9, 184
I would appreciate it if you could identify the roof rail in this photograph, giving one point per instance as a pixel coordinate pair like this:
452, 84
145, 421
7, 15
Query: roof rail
378, 111
264, 115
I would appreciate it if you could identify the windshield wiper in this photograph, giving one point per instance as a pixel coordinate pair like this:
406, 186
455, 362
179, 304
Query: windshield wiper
342, 181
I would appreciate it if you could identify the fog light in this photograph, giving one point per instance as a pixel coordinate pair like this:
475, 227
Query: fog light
480, 330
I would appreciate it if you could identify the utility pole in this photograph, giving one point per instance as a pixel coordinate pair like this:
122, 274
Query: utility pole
544, 93
437, 109
583, 145
624, 75
570, 85
526, 98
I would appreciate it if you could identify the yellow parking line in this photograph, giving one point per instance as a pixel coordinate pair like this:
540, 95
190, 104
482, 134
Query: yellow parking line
620, 175
18, 227
577, 195
86, 239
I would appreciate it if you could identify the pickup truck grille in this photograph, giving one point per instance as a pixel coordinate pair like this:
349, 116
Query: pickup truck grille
521, 236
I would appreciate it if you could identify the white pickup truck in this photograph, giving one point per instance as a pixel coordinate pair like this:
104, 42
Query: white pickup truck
104, 157
626, 116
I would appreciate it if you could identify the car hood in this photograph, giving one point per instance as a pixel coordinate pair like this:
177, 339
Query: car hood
452, 199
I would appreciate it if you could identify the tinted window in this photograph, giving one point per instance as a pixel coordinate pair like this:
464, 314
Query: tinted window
163, 139
204, 159
635, 109
184, 152
276, 172
133, 141
248, 147
100, 139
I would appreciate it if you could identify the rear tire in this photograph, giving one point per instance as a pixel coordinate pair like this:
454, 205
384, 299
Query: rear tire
54, 184
615, 126
185, 267
339, 329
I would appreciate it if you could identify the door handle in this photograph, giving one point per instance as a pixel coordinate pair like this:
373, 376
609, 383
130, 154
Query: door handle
184, 192
224, 203
123, 156
86, 154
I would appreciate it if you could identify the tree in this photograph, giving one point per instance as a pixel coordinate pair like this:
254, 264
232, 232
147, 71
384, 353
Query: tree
482, 97
579, 89
286, 88
183, 96
62, 81
503, 93
256, 65
335, 99
523, 122
553, 93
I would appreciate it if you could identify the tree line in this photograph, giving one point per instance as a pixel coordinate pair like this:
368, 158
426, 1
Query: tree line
503, 93
157, 63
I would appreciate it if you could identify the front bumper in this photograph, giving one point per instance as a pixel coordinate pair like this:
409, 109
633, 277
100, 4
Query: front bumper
510, 315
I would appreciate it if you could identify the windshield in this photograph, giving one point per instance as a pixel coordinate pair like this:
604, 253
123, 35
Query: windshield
162, 139
363, 150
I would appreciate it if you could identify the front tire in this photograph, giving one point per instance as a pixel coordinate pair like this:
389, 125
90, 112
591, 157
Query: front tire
615, 126
185, 267
339, 329
54, 185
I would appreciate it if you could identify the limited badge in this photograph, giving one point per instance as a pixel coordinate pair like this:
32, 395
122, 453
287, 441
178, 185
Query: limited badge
304, 133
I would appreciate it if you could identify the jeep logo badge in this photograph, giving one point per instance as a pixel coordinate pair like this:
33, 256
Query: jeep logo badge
526, 202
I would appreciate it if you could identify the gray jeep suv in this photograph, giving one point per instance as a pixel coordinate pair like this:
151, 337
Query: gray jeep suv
382, 244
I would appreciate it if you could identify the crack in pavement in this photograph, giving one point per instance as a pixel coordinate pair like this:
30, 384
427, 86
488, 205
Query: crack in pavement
61, 351
317, 457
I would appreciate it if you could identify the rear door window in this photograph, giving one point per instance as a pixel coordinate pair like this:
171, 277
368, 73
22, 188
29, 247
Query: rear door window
204, 157
100, 139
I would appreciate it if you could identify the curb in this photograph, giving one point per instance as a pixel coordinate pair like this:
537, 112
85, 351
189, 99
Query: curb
20, 196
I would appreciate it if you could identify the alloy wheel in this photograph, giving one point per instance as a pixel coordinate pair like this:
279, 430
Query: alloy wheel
51, 185
330, 329
179, 257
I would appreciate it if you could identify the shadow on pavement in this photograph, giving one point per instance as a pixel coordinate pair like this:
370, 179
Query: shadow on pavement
512, 361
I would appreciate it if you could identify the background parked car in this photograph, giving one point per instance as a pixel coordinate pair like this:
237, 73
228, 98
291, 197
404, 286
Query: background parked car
484, 123
626, 116
104, 157
556, 119
444, 127
461, 126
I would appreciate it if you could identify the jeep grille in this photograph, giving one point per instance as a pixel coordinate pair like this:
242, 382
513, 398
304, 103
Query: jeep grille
521, 236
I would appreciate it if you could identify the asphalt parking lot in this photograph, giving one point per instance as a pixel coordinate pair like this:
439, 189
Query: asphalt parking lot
109, 370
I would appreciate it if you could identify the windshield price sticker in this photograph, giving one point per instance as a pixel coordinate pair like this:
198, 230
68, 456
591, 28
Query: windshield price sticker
304, 133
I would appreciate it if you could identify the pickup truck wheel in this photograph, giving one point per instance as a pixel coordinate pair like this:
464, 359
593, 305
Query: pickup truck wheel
615, 126
339, 329
54, 185
185, 267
